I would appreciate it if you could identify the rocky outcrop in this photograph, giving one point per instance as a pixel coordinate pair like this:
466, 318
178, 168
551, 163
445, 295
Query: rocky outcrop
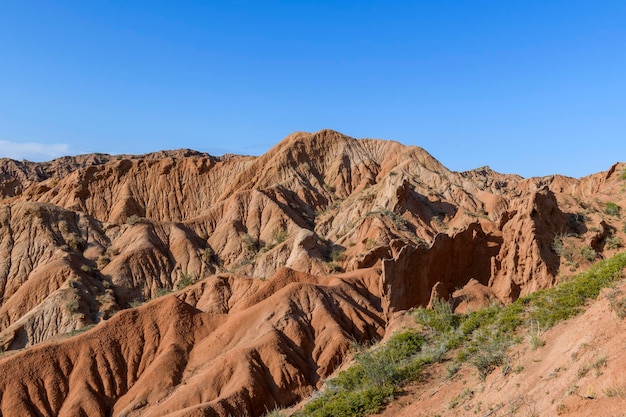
278, 264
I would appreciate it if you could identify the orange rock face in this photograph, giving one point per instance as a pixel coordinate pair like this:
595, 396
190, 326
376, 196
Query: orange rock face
258, 273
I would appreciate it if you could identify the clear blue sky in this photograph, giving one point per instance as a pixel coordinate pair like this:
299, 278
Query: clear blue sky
528, 87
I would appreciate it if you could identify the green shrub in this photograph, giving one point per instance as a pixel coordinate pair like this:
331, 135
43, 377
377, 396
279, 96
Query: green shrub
378, 369
135, 303
617, 302
534, 337
588, 253
403, 345
557, 244
186, 280
613, 242
336, 255
279, 236
367, 400
512, 316
612, 209
277, 412
548, 307
479, 318
163, 292
103, 261
81, 330
487, 349
562, 249
250, 243
441, 318
77, 243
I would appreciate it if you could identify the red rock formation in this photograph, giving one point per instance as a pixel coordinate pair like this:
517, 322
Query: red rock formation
257, 247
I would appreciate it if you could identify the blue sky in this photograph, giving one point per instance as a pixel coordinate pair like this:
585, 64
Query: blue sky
528, 87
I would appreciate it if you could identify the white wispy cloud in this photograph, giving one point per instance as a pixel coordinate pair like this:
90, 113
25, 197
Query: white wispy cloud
32, 151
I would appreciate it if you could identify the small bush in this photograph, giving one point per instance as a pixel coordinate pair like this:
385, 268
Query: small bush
441, 318
561, 248
277, 412
111, 252
336, 255
403, 345
557, 245
534, 337
251, 244
185, 281
452, 369
612, 209
279, 236
81, 330
135, 303
77, 243
163, 292
613, 242
588, 253
616, 391
596, 364
617, 303
576, 221
487, 349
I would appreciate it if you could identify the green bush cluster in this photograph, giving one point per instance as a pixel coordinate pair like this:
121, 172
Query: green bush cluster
588, 253
341, 403
186, 280
612, 209
365, 387
617, 302
547, 307
613, 242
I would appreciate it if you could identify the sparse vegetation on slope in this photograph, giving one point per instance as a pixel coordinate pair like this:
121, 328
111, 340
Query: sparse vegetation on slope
372, 381
480, 338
